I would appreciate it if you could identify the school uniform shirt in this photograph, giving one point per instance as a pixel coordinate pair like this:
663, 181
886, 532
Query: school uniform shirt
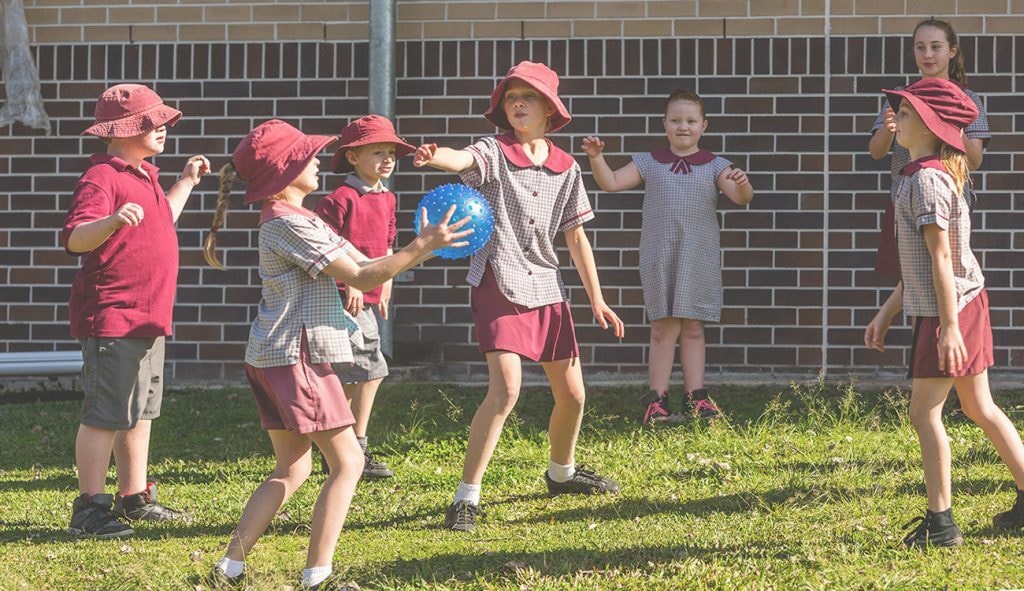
365, 217
925, 194
532, 204
295, 247
680, 250
126, 285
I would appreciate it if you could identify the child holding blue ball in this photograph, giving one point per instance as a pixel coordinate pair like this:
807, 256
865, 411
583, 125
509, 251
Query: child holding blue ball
518, 300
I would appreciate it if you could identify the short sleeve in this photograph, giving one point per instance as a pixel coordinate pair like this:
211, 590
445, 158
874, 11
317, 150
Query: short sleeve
931, 197
486, 158
577, 208
89, 203
979, 128
308, 245
332, 210
643, 164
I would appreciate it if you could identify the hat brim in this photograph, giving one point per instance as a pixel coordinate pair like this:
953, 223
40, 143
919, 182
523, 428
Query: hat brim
135, 124
496, 114
300, 154
946, 132
340, 163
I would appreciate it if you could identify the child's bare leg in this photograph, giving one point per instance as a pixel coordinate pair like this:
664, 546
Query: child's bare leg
345, 458
131, 455
92, 457
566, 379
976, 401
664, 334
691, 353
360, 397
293, 467
926, 400
505, 378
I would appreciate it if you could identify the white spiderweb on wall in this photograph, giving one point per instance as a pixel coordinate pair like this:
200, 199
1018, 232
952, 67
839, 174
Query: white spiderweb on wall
24, 102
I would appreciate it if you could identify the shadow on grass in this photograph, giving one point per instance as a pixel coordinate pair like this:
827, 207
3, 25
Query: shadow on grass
23, 531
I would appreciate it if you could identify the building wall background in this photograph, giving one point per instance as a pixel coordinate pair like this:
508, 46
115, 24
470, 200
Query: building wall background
797, 296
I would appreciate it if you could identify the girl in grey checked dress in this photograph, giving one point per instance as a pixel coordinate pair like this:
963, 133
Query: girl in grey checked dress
680, 260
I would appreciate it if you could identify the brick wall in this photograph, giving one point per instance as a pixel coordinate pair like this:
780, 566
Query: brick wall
766, 98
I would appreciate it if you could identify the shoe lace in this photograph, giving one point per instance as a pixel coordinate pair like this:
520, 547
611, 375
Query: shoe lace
705, 405
465, 511
919, 531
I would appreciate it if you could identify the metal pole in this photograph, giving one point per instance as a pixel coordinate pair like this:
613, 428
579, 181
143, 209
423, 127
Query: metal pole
382, 101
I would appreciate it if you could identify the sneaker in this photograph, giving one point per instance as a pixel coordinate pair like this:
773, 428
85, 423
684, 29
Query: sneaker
462, 516
1014, 518
91, 517
933, 529
375, 469
655, 407
218, 579
702, 407
583, 482
333, 583
144, 507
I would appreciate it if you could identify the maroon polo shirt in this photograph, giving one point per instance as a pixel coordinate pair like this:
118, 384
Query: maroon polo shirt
126, 285
364, 217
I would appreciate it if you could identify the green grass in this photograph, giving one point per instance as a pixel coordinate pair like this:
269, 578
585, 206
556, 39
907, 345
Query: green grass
804, 487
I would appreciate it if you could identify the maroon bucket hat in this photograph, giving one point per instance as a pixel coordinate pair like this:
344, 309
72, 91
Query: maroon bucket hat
371, 129
129, 110
941, 104
540, 77
273, 155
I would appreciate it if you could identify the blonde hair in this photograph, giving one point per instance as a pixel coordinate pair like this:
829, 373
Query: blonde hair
956, 165
228, 174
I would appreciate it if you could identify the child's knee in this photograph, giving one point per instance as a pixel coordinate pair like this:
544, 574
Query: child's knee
982, 414
693, 329
503, 399
921, 416
295, 473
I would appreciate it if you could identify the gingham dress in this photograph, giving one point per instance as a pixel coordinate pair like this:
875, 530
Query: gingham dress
680, 252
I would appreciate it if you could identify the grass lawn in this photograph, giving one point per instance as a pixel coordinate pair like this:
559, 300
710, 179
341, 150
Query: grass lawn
804, 487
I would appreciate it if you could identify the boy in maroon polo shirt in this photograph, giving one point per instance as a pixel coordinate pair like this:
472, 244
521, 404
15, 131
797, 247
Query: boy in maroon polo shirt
363, 212
121, 224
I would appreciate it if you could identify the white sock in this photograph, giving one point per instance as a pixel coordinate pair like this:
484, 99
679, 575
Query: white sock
468, 492
560, 473
315, 575
231, 568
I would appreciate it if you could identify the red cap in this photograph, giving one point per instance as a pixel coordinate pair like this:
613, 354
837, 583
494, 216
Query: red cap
371, 129
273, 155
544, 80
942, 105
129, 110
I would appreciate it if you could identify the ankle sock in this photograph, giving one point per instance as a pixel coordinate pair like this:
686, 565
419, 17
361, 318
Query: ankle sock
315, 575
468, 492
560, 473
231, 568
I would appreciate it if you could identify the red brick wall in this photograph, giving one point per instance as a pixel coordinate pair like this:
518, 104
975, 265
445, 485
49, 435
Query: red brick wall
766, 105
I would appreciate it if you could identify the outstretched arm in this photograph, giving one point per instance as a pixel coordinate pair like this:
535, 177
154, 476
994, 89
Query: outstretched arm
445, 159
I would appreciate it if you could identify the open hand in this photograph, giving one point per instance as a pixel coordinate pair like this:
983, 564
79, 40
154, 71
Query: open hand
424, 155
593, 146
441, 234
353, 300
606, 317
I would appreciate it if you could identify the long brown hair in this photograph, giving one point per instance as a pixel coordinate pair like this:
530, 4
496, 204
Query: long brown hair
956, 165
227, 177
957, 72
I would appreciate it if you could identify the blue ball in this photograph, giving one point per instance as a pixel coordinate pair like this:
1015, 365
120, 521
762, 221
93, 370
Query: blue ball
468, 202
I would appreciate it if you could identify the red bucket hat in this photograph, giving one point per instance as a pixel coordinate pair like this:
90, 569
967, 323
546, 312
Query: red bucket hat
273, 155
942, 105
372, 129
128, 110
541, 78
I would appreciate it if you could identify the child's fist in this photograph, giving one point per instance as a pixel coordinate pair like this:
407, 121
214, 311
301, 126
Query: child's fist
129, 214
737, 176
424, 154
593, 146
195, 168
890, 120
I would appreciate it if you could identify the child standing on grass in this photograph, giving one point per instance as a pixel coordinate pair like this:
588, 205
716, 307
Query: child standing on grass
518, 301
299, 332
943, 289
680, 255
362, 211
121, 224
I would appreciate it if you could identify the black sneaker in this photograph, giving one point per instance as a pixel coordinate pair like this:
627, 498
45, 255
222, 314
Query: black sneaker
703, 407
933, 529
1014, 518
583, 482
218, 579
333, 583
91, 517
462, 516
375, 469
144, 507
655, 407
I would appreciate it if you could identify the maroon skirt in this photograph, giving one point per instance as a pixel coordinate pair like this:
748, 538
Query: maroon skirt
541, 334
976, 328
